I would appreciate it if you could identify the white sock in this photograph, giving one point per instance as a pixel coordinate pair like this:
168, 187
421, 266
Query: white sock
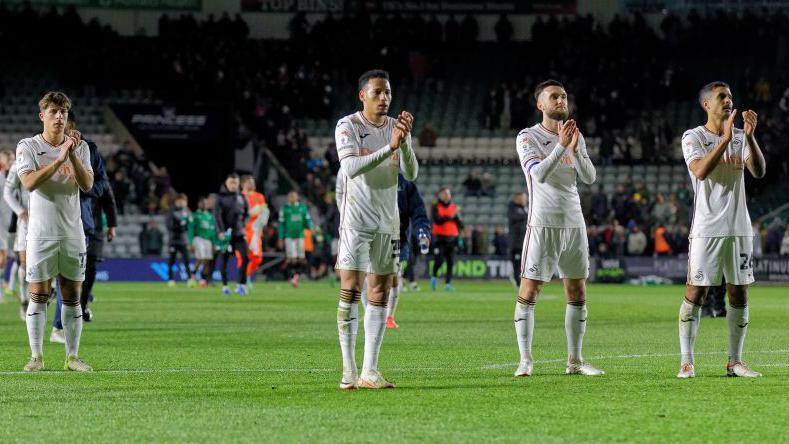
36, 322
524, 329
689, 320
575, 327
374, 328
24, 296
348, 327
394, 294
737, 318
71, 317
12, 276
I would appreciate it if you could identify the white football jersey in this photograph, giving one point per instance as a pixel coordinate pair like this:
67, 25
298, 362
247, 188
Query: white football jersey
19, 195
54, 205
555, 202
719, 205
369, 201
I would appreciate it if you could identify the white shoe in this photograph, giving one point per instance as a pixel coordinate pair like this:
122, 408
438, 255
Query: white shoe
35, 364
414, 287
373, 380
57, 336
348, 381
686, 371
76, 364
582, 368
524, 368
741, 369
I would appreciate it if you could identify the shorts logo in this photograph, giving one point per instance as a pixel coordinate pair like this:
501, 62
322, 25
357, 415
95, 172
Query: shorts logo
534, 269
699, 275
347, 259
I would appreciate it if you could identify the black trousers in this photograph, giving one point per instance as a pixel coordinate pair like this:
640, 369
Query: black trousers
515, 258
237, 244
444, 249
174, 250
94, 256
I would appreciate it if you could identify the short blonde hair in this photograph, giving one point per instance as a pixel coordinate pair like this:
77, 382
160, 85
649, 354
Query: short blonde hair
56, 98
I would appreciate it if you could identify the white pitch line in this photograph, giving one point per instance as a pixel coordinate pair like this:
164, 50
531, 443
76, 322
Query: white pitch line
647, 355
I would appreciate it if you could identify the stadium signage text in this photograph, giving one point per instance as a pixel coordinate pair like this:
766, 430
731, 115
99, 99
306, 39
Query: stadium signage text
174, 5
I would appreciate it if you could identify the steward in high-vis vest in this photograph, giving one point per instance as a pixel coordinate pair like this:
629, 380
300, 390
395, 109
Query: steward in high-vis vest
446, 229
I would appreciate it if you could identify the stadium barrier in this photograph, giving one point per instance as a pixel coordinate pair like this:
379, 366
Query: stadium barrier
674, 268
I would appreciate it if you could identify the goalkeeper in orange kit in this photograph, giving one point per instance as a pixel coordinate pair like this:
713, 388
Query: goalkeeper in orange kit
253, 230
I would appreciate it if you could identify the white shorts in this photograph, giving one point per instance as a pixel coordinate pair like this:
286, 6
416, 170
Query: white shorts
294, 248
371, 252
4, 240
545, 248
21, 235
204, 249
711, 258
49, 258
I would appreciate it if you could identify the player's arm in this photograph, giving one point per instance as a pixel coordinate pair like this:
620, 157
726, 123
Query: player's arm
541, 170
10, 191
32, 177
436, 218
419, 220
83, 172
408, 163
581, 161
349, 150
755, 159
701, 167
101, 183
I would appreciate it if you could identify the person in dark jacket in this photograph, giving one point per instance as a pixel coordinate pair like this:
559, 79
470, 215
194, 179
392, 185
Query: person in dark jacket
179, 225
446, 229
99, 198
518, 216
231, 213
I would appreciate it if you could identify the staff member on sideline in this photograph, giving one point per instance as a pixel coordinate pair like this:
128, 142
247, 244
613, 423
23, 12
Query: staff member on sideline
446, 229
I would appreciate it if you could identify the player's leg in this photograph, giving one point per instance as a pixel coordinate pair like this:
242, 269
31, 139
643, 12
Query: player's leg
3, 259
24, 296
42, 266
532, 279
353, 260
574, 270
449, 253
524, 322
515, 258
384, 253
240, 245
704, 271
738, 270
438, 260
170, 264
184, 250
72, 261
226, 255
87, 286
57, 336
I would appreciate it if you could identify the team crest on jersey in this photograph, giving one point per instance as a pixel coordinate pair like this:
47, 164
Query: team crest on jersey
699, 275
736, 143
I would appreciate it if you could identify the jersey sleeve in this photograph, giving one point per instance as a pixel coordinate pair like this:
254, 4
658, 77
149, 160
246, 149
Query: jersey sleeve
25, 159
692, 147
345, 139
84, 156
746, 149
527, 150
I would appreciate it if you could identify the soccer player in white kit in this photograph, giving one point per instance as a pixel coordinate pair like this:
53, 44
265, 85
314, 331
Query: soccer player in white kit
721, 237
17, 198
552, 154
54, 166
372, 148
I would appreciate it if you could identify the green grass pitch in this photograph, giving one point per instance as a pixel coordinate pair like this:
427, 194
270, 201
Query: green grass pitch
194, 366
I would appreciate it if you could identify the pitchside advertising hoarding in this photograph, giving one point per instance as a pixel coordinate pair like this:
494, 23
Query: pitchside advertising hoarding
772, 269
423, 6
160, 5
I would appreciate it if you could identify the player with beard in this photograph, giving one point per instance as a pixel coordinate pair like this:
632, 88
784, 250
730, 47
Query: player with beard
553, 156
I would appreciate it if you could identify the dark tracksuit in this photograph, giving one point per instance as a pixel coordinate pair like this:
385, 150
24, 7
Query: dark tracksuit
178, 225
97, 199
518, 219
231, 213
413, 222
444, 247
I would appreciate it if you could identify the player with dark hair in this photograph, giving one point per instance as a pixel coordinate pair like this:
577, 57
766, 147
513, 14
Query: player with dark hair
372, 148
721, 236
553, 157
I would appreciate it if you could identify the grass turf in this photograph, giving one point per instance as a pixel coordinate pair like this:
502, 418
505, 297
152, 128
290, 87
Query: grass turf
191, 365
